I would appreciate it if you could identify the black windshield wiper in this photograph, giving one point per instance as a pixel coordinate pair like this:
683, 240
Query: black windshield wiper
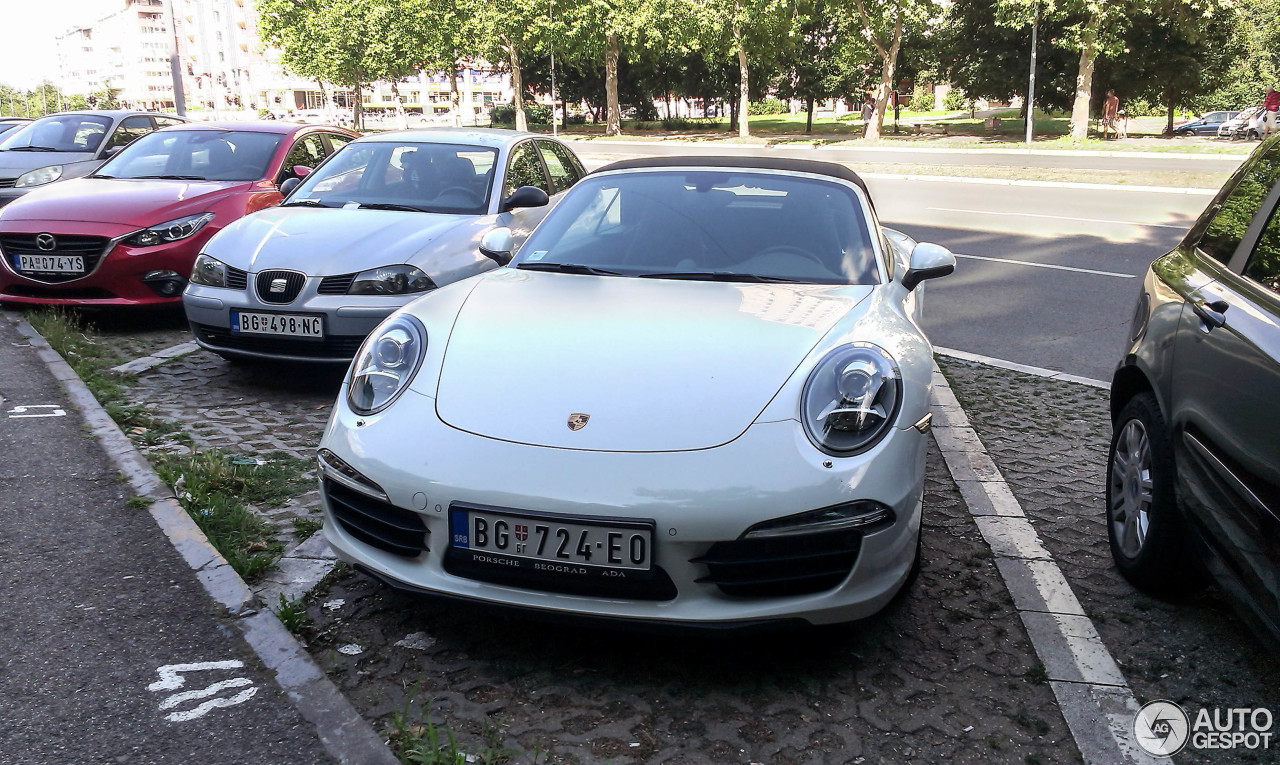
99, 175
567, 268
390, 206
34, 148
721, 276
305, 203
171, 177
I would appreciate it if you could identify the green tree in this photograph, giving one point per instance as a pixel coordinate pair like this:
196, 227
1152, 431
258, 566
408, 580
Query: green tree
884, 23
508, 30
824, 62
747, 30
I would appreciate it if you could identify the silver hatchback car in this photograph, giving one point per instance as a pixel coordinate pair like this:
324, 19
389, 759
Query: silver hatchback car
384, 220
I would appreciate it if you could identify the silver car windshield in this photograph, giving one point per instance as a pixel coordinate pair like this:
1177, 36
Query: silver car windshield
197, 155
65, 132
428, 177
729, 225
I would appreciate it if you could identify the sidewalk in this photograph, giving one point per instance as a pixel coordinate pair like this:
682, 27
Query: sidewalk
113, 651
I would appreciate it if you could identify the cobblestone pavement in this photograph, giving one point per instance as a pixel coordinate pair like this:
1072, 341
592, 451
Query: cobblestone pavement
1050, 439
901, 686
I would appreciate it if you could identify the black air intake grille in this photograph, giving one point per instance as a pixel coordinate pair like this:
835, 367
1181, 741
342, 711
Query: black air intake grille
236, 279
7, 183
288, 284
377, 523
782, 566
336, 285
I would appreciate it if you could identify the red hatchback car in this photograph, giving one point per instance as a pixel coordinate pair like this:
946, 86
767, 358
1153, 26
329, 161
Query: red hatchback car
129, 233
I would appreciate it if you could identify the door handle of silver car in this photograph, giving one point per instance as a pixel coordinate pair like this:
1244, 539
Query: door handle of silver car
1212, 313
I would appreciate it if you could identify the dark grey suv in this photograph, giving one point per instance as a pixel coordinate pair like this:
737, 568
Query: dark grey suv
1193, 478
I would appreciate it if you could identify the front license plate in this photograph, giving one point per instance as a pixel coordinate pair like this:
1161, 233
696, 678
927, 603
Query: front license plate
279, 324
553, 543
50, 264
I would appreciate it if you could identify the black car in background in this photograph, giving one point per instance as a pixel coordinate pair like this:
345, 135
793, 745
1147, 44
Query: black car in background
68, 145
1206, 124
1193, 476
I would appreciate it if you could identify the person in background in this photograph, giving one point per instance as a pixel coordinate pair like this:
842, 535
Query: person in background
1270, 112
1110, 109
868, 108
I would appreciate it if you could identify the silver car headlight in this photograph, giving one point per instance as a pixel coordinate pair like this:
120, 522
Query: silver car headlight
390, 280
386, 363
170, 231
210, 272
39, 177
851, 399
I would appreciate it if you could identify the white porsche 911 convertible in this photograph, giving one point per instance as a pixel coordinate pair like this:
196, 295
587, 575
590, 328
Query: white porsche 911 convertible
699, 395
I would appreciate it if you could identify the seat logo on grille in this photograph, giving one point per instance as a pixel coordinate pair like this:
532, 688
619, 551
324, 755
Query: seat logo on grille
277, 286
578, 420
46, 242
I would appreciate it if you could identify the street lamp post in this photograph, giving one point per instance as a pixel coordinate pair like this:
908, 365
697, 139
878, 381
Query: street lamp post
1031, 85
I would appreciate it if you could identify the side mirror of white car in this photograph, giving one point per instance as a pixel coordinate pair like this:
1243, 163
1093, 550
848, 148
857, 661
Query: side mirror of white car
928, 261
497, 244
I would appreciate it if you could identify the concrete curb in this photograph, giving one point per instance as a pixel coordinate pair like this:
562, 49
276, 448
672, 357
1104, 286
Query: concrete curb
1095, 700
345, 734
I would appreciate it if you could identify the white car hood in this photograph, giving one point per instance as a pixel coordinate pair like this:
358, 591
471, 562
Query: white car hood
328, 242
657, 364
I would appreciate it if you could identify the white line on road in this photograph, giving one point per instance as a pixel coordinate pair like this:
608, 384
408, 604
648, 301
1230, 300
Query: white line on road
1046, 265
1056, 217
1052, 374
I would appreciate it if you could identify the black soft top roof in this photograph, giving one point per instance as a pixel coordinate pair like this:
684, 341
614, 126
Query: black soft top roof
810, 166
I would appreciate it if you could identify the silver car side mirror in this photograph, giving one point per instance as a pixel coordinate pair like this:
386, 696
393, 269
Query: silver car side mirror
928, 261
497, 244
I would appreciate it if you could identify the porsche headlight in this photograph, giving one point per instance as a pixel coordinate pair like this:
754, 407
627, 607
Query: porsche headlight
387, 361
851, 399
210, 272
39, 177
170, 231
390, 280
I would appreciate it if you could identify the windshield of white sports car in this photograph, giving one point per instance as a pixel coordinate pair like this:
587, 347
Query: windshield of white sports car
386, 175
710, 225
195, 155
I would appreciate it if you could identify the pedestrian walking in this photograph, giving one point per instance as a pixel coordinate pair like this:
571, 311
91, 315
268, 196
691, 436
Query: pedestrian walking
868, 109
1270, 112
1110, 110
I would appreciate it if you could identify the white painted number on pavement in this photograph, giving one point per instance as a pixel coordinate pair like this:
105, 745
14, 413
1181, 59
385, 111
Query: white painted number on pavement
171, 679
36, 410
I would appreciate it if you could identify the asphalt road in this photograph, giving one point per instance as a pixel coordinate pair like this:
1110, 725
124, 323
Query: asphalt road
1090, 248
883, 157
95, 604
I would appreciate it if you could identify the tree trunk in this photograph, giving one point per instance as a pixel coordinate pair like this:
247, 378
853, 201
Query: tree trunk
744, 91
733, 115
401, 117
455, 101
888, 65
1168, 128
357, 109
808, 122
1084, 79
522, 122
614, 124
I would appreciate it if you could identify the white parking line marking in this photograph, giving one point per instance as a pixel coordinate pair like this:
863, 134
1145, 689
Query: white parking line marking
171, 678
138, 366
1057, 217
1024, 368
21, 412
1010, 261
1086, 681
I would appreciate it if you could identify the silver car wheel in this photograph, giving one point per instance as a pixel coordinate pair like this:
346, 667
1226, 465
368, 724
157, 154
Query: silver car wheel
1131, 488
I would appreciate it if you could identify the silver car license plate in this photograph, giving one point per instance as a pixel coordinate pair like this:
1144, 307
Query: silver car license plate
277, 324
50, 264
553, 539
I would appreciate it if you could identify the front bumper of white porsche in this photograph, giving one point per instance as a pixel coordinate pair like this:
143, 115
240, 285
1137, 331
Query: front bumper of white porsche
698, 505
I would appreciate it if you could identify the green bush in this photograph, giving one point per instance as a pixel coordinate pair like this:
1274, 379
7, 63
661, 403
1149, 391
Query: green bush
1141, 107
689, 123
768, 106
956, 100
534, 112
921, 99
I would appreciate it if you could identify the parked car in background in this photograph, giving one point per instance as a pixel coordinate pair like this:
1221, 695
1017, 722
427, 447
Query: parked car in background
1243, 125
1206, 124
11, 123
69, 145
129, 234
1193, 478
706, 387
390, 217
